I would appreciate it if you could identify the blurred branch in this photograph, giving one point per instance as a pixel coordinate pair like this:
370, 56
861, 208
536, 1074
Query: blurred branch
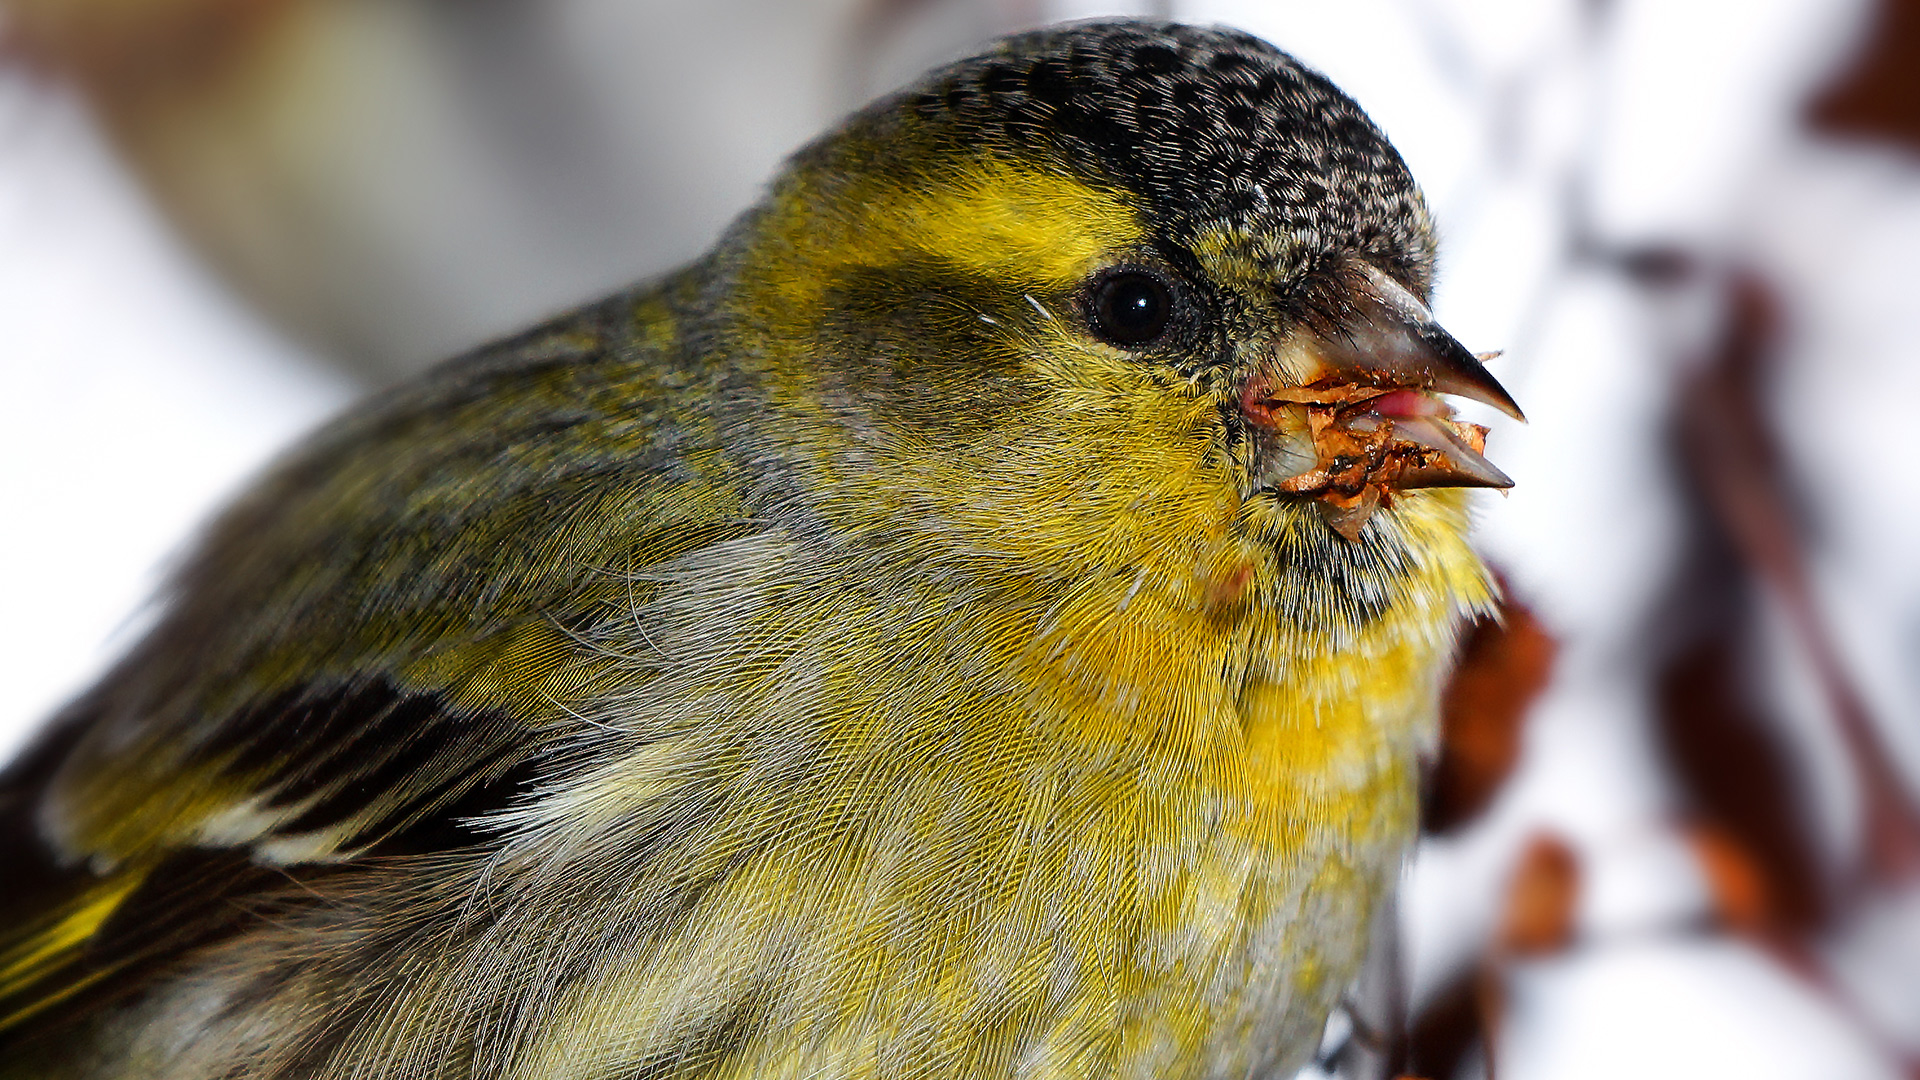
1728, 445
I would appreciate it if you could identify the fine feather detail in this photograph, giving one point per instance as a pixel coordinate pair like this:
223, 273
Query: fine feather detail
829, 661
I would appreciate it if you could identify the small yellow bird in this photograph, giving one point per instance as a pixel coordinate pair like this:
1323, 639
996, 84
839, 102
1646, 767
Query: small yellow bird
981, 621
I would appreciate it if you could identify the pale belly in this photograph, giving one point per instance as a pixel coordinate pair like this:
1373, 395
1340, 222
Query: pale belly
1230, 978
1267, 955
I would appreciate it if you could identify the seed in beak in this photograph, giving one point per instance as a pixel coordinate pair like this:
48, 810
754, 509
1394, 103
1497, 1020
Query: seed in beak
1348, 415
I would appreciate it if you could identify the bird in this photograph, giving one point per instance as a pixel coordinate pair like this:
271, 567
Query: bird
983, 619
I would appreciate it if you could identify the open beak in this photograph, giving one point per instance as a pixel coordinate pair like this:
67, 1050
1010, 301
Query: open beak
1350, 413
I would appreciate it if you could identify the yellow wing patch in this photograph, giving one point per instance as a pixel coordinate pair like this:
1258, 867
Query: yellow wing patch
47, 946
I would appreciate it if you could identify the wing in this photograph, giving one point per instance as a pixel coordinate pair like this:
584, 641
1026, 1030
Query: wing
308, 784
377, 645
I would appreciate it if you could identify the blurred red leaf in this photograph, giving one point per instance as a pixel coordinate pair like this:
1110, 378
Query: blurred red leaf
1505, 663
1733, 770
1542, 899
1742, 898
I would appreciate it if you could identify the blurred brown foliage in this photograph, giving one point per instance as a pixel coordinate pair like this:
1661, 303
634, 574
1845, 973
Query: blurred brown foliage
1542, 900
1743, 899
1744, 793
1878, 96
119, 49
1505, 662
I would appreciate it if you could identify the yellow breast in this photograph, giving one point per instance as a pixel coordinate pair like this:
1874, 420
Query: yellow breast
1137, 833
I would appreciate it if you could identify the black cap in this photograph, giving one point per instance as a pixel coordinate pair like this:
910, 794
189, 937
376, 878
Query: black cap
1215, 129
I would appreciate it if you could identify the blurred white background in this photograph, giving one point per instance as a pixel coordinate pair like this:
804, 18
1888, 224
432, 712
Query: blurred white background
202, 258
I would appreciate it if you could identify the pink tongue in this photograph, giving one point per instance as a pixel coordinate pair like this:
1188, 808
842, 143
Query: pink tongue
1406, 404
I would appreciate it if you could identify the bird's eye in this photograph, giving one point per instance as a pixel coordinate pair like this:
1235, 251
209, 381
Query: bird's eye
1130, 307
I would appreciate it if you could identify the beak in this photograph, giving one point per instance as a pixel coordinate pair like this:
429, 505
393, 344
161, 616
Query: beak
1392, 337
1350, 413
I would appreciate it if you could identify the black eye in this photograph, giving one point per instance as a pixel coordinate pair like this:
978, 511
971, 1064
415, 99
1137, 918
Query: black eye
1131, 307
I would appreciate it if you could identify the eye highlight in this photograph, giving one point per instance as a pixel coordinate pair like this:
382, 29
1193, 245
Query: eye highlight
1130, 308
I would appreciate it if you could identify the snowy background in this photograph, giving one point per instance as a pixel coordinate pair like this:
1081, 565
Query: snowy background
1690, 224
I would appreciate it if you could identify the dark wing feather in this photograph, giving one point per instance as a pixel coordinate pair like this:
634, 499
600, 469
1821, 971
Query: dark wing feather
358, 774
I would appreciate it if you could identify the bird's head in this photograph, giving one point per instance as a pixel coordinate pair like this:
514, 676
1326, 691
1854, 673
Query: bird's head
1126, 293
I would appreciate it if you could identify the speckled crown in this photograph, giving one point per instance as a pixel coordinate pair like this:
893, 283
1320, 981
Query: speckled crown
1216, 128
